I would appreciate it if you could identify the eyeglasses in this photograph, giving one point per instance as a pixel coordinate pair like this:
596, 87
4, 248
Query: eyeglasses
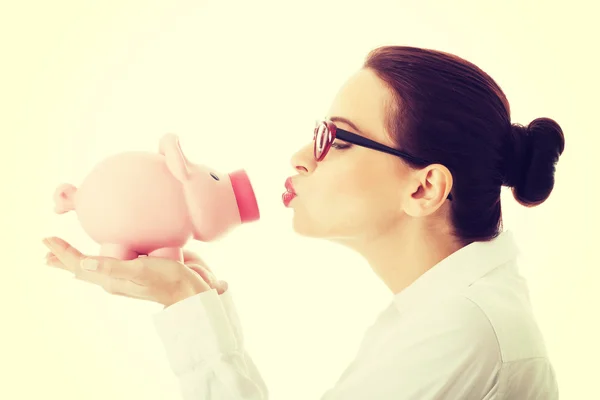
326, 132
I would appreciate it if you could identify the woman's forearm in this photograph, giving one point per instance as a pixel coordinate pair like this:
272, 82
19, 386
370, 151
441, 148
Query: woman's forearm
204, 344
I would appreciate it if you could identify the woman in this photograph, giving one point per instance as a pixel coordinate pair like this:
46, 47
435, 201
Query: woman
407, 171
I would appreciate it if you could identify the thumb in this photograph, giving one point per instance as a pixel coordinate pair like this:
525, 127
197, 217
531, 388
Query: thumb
209, 278
223, 286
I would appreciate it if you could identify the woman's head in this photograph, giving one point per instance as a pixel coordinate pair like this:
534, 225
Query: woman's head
454, 120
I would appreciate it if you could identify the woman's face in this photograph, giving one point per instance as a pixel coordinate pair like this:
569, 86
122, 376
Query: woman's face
353, 191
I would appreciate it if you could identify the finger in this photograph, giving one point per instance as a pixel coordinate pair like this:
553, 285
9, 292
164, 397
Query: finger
145, 271
189, 257
66, 257
52, 261
110, 282
204, 274
224, 286
114, 268
50, 255
91, 278
69, 256
209, 278
116, 286
81, 275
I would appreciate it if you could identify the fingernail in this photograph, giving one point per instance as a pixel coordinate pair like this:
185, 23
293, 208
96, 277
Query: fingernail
89, 264
47, 242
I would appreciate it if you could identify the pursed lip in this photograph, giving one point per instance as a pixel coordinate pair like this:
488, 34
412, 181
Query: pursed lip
289, 193
289, 185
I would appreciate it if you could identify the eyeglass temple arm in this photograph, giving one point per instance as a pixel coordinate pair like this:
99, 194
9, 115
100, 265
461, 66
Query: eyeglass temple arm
363, 141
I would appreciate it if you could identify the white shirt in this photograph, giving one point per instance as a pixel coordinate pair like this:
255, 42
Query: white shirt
463, 330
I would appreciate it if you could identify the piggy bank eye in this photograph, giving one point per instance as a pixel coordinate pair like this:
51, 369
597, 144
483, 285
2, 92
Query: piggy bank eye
215, 177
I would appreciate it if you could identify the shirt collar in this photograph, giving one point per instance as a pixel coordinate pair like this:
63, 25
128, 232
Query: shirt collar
460, 269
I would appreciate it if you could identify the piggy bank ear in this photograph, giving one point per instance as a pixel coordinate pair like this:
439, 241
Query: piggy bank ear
174, 157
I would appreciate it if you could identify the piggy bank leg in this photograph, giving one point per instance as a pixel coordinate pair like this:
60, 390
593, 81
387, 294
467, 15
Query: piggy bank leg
117, 251
172, 253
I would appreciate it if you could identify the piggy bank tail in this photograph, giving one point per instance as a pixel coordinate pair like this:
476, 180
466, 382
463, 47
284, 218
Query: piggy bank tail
64, 198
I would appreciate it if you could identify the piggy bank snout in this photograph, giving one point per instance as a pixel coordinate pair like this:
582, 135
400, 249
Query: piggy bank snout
244, 196
241, 188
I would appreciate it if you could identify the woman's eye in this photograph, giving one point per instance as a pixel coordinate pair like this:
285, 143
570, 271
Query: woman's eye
339, 146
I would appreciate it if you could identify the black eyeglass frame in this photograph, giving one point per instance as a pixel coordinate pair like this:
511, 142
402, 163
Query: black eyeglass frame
338, 133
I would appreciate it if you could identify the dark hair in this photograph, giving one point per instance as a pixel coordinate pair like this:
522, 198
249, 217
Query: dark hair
448, 110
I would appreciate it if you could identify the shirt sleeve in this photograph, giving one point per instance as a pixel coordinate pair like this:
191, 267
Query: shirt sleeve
203, 340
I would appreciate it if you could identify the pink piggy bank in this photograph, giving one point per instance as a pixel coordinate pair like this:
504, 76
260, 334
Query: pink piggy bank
138, 203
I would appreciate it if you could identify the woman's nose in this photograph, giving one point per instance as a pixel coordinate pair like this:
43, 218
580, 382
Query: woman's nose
303, 160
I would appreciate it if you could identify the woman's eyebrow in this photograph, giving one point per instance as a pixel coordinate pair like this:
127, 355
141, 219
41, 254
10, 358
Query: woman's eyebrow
347, 122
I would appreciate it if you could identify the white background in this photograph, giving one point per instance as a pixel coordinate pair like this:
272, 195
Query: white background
83, 80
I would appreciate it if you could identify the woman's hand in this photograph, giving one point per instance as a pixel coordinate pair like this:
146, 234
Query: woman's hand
194, 262
147, 278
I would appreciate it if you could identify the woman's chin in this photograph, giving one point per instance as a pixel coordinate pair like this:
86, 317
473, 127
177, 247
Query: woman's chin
302, 226
309, 228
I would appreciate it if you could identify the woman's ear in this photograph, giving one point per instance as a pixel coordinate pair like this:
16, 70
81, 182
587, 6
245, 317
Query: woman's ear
428, 190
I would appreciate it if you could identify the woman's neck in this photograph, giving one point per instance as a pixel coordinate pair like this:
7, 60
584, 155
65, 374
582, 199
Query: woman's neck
401, 255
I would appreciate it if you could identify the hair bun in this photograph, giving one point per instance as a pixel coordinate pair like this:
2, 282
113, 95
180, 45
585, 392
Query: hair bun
530, 166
